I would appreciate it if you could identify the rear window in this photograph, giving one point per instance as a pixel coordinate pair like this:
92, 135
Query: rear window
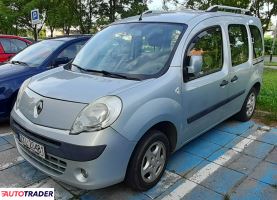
12, 45
239, 44
256, 41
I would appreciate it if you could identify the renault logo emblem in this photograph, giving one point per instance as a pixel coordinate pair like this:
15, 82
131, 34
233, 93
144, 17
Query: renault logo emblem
38, 108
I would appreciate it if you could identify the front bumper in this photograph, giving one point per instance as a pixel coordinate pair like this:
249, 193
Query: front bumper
5, 108
106, 168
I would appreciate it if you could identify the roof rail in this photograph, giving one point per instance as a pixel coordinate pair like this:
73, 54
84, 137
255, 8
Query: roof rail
217, 8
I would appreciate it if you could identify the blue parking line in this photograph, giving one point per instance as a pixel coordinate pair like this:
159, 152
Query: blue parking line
198, 193
182, 162
9, 139
235, 127
166, 182
218, 137
201, 148
2, 141
221, 181
5, 147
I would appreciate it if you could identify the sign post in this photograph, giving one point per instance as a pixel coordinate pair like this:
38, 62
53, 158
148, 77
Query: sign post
35, 20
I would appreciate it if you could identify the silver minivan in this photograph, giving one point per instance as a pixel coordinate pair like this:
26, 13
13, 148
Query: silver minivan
138, 91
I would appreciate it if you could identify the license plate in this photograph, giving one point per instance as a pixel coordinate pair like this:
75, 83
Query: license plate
32, 146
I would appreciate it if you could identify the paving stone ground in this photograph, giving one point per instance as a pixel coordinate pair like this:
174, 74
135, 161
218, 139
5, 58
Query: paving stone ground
232, 161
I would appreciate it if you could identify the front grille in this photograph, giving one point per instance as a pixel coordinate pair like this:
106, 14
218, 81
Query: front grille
51, 163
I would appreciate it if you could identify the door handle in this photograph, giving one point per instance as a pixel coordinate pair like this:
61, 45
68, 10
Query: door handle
223, 83
235, 78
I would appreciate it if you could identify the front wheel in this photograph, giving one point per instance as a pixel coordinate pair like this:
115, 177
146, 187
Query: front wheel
248, 107
148, 161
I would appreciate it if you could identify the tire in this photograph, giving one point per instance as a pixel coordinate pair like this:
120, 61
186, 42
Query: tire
248, 108
139, 171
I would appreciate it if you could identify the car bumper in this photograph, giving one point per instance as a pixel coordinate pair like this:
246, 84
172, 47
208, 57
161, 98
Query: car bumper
106, 168
5, 105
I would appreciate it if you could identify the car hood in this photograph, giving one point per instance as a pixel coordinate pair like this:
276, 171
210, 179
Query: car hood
77, 87
8, 71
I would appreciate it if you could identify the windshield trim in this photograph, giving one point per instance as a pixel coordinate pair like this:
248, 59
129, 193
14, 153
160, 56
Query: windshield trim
169, 60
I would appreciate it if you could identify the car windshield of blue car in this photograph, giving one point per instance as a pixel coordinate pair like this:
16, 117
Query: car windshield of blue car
37, 53
135, 50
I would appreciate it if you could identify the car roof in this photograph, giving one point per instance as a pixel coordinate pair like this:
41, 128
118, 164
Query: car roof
70, 37
183, 16
15, 37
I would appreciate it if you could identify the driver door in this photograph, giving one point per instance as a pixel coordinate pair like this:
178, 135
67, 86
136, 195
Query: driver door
205, 87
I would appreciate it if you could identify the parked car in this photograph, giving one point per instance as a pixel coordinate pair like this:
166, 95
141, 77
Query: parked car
11, 45
33, 60
138, 91
30, 39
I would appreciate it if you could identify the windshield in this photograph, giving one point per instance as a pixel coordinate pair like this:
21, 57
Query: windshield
132, 49
37, 53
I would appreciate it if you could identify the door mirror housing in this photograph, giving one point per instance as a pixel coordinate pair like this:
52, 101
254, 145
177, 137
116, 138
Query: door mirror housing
60, 61
196, 64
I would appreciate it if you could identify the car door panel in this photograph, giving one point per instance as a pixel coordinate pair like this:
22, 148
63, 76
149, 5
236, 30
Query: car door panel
240, 69
204, 98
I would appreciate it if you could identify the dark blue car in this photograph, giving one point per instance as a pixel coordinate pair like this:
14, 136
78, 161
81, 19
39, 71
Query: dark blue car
35, 59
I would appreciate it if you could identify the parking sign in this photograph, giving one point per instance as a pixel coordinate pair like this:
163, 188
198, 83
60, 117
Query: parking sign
35, 16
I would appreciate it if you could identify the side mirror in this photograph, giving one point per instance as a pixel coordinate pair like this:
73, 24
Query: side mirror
195, 66
60, 61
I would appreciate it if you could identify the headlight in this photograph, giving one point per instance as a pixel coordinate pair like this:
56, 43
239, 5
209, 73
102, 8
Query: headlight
97, 115
21, 91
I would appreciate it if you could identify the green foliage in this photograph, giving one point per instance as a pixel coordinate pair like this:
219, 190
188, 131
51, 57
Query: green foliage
268, 45
86, 15
270, 64
267, 100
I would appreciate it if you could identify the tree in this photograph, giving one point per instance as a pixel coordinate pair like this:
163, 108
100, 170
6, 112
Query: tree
87, 15
264, 9
17, 14
116, 9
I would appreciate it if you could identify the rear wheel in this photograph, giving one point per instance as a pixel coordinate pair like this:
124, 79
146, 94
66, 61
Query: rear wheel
248, 107
148, 161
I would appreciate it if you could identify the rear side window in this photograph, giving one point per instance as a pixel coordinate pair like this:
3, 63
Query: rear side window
256, 41
71, 51
19, 44
239, 44
6, 44
12, 45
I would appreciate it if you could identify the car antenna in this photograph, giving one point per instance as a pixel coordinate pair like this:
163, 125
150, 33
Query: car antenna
144, 13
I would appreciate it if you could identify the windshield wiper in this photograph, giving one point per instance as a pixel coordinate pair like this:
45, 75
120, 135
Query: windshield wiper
115, 75
16, 62
106, 73
78, 67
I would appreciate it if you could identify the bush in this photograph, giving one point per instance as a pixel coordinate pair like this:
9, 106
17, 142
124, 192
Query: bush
268, 44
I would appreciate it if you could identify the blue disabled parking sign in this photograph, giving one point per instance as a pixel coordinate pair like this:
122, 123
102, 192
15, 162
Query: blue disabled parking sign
35, 16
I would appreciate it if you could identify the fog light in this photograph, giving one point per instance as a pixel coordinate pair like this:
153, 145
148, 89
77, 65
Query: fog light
84, 173
81, 175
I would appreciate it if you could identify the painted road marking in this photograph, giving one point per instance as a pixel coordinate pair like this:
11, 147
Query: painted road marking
209, 169
5, 134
